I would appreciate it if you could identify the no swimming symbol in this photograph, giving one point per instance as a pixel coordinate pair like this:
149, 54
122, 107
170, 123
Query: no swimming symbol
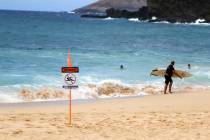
70, 79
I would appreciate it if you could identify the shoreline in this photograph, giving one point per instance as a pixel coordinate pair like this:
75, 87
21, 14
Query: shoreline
78, 102
142, 92
64, 102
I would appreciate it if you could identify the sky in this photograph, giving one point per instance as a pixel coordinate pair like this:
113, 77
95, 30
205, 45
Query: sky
43, 5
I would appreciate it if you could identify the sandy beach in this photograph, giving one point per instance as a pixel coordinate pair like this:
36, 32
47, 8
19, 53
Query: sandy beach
159, 117
118, 63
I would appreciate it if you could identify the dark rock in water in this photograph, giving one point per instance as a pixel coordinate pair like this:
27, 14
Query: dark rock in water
159, 20
154, 20
180, 10
93, 16
165, 10
142, 13
168, 10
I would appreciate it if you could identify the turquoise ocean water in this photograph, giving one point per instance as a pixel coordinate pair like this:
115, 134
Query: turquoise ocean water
34, 45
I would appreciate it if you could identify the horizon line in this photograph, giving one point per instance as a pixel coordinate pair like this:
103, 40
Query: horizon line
36, 10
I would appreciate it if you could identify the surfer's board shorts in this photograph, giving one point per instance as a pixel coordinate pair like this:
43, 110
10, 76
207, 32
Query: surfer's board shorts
168, 79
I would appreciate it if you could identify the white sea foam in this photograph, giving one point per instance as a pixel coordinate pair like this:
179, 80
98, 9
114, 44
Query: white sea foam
165, 22
154, 18
199, 22
103, 89
91, 89
134, 19
71, 12
17, 75
108, 18
9, 99
202, 74
208, 74
88, 79
9, 93
47, 79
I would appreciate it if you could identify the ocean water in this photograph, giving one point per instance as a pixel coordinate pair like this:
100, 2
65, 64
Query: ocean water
34, 45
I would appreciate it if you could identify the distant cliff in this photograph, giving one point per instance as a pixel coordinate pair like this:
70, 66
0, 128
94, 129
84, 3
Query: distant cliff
102, 5
167, 10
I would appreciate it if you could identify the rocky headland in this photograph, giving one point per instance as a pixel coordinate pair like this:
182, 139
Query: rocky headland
152, 10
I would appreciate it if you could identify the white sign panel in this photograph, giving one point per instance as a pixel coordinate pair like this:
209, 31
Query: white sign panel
70, 77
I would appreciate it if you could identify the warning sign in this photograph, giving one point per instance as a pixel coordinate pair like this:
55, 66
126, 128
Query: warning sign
70, 77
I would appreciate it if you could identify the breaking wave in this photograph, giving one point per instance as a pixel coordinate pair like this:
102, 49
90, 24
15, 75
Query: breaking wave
108, 18
199, 22
134, 19
103, 89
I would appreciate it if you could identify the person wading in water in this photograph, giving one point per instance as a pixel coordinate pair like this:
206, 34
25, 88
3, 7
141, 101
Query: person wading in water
168, 74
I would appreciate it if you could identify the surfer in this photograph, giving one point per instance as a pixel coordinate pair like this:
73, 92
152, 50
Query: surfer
168, 74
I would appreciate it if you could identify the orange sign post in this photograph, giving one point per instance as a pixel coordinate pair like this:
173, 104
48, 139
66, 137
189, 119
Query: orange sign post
70, 108
70, 75
69, 62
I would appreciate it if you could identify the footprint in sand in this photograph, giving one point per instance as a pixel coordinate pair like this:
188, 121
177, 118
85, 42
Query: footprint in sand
17, 132
27, 120
134, 117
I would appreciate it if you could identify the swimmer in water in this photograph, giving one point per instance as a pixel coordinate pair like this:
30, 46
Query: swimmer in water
121, 67
189, 66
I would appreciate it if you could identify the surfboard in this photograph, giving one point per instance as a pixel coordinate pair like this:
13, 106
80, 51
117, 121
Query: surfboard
161, 73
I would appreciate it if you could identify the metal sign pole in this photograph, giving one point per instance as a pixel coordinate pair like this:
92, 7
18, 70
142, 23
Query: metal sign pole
70, 81
70, 109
